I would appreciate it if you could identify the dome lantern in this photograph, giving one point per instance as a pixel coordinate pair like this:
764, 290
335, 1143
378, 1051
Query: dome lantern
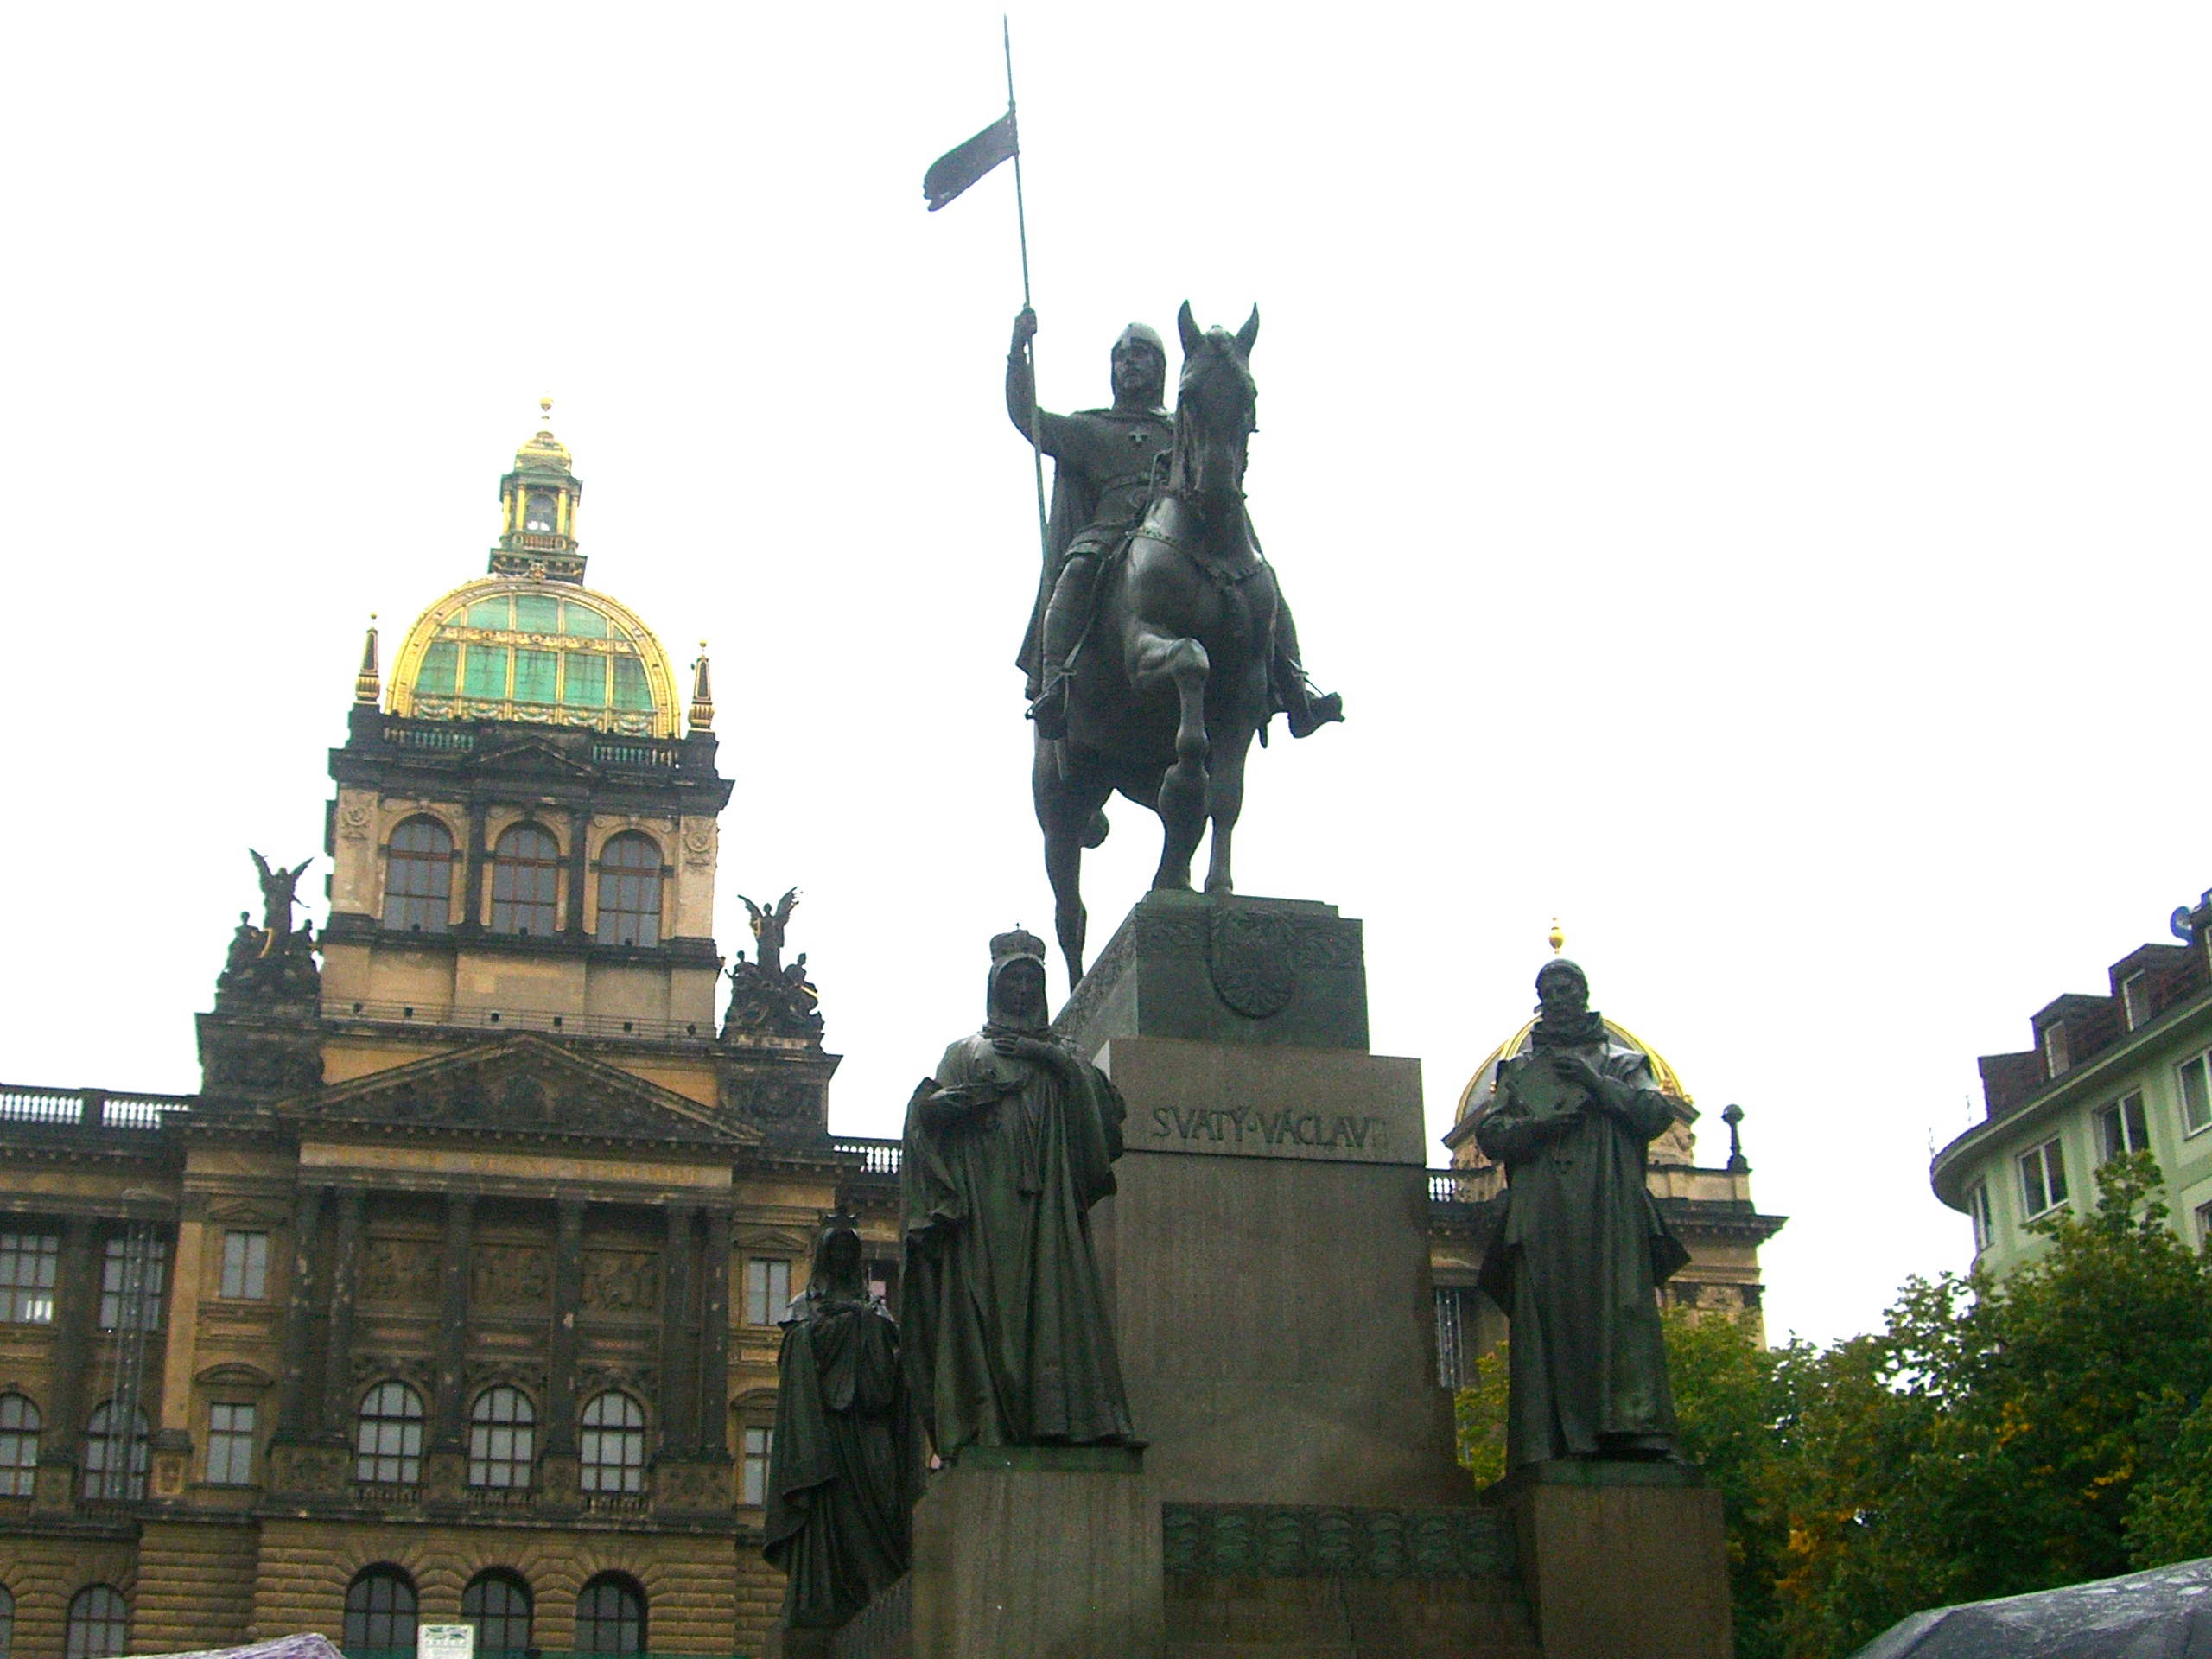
537, 511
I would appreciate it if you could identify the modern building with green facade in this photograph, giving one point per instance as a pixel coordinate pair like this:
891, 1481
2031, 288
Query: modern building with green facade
2127, 1072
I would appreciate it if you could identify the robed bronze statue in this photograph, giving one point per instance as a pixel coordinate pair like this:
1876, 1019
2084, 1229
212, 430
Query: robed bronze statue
845, 1466
1006, 1334
1577, 1262
1160, 645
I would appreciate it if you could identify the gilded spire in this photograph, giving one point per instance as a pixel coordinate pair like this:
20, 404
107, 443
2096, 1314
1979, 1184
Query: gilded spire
368, 684
1555, 938
702, 694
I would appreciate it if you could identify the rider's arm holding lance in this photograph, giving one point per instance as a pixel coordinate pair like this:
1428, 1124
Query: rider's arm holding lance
1049, 432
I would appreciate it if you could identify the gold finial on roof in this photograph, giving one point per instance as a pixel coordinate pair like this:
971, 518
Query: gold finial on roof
368, 684
702, 694
1557, 938
545, 409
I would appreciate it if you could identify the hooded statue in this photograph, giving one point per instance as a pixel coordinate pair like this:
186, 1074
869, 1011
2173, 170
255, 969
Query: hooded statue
1008, 1338
1583, 1249
845, 1466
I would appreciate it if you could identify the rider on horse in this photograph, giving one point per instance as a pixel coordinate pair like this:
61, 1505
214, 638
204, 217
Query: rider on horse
1107, 463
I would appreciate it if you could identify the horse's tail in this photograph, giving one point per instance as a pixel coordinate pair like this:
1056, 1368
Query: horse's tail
1095, 832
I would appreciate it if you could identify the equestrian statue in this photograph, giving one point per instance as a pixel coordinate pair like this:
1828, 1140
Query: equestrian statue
1160, 645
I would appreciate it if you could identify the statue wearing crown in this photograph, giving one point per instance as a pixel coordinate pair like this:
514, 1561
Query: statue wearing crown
1005, 1332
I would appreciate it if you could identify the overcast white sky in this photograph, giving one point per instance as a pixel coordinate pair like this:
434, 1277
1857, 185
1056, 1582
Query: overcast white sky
1744, 465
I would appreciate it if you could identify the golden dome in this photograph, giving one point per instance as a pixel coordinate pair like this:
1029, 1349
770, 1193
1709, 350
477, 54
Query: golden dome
1476, 1095
545, 653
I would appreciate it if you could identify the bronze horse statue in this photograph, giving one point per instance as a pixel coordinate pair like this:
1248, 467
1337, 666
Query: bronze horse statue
1169, 684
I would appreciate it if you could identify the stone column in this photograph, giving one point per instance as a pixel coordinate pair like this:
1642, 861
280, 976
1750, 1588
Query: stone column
173, 1424
579, 871
714, 1341
76, 1330
448, 1415
472, 877
345, 1272
677, 1435
292, 1404
561, 1403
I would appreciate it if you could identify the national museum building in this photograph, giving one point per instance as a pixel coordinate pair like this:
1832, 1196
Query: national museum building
452, 1294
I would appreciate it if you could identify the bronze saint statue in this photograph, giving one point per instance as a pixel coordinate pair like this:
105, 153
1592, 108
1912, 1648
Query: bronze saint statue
1577, 1261
1107, 466
1183, 650
845, 1466
1007, 1335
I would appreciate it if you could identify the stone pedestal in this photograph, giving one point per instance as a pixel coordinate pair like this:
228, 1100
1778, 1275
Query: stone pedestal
1036, 1552
1621, 1560
1266, 1257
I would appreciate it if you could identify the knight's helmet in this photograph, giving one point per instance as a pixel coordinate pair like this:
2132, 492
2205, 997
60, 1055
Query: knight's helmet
1138, 334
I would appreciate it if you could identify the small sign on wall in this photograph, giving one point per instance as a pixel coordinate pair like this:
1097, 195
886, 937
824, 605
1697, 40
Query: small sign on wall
445, 1642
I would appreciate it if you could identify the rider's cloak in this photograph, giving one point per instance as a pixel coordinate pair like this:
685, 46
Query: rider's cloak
1006, 1334
1582, 1249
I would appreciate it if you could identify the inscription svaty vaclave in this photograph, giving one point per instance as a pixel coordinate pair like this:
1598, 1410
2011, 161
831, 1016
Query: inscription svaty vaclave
1218, 1100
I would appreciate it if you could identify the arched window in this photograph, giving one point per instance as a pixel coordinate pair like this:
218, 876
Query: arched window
611, 1616
7, 1621
629, 891
99, 1623
525, 876
418, 877
498, 1603
19, 1427
502, 1438
116, 1453
537, 512
388, 1449
381, 1609
613, 1443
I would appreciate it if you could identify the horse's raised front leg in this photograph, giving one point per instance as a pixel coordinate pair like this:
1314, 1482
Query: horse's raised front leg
1151, 657
1225, 800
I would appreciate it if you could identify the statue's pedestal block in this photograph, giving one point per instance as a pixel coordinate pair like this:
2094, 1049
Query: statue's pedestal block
1036, 1552
1622, 1560
1266, 1257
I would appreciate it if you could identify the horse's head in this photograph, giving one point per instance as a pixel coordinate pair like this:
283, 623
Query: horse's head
1216, 407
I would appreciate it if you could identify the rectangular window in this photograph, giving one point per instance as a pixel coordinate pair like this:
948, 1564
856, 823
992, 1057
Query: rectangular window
2043, 1179
768, 1291
583, 680
150, 1263
2196, 1098
230, 1444
2121, 1128
434, 677
758, 1443
2054, 1047
535, 614
488, 614
2203, 1225
1977, 1212
2135, 1000
245, 1266
630, 684
534, 676
484, 672
26, 1267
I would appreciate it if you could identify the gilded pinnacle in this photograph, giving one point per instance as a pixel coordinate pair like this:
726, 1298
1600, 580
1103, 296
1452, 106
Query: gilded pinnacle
1557, 938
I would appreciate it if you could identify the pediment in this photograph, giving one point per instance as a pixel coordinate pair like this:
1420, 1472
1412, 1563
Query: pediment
523, 1084
530, 755
235, 1376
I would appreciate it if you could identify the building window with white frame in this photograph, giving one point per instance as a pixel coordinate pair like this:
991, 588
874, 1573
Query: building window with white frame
131, 1272
1977, 1212
2122, 1128
2043, 1179
2054, 1048
229, 1445
2203, 1226
2195, 1094
767, 1290
760, 1444
245, 1266
2135, 1000
27, 1264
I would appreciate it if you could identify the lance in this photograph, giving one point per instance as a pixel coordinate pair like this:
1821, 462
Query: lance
1029, 345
